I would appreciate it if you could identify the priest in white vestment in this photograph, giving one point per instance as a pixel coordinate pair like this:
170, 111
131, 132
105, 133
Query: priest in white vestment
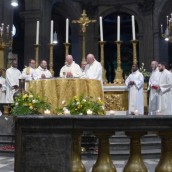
12, 81
165, 95
2, 88
135, 82
83, 66
42, 72
152, 87
70, 69
93, 69
29, 72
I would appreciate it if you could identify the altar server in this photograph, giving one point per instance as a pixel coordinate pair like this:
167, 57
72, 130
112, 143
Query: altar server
93, 69
153, 85
164, 88
42, 72
29, 72
2, 88
12, 81
71, 69
135, 82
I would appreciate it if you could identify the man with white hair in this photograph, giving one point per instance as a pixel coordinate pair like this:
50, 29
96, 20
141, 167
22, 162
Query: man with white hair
42, 72
71, 69
93, 69
153, 85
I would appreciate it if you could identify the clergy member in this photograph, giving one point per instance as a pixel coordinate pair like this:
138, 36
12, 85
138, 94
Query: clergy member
135, 82
71, 69
83, 65
12, 81
164, 88
29, 72
153, 85
2, 88
93, 69
42, 72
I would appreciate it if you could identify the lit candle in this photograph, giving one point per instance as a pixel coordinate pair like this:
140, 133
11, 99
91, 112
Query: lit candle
67, 30
7, 29
51, 32
37, 32
1, 31
118, 28
133, 28
101, 29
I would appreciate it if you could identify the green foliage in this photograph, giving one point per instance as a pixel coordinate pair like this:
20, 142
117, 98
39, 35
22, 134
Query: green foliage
82, 106
145, 73
29, 104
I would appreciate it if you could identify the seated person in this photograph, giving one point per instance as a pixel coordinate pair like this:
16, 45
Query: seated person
71, 69
29, 72
42, 72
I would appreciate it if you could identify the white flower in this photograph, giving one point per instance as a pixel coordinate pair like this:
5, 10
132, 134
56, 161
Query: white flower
78, 103
63, 102
33, 101
31, 107
103, 107
64, 108
84, 100
47, 111
66, 112
99, 98
16, 104
30, 96
89, 112
81, 114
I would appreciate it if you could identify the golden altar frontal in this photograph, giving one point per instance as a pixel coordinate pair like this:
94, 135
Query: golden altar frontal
116, 97
58, 89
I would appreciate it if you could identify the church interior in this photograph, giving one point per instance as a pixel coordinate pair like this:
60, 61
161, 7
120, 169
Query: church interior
85, 118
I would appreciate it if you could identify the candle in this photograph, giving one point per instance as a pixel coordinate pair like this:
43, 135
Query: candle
67, 30
161, 29
37, 32
51, 32
101, 29
118, 28
1, 31
7, 29
167, 21
133, 28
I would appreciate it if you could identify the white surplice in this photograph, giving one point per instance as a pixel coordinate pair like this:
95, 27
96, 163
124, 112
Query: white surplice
39, 71
135, 99
94, 71
29, 74
165, 95
2, 90
12, 78
73, 68
153, 96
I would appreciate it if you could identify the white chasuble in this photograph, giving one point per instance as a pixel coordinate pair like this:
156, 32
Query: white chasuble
153, 96
165, 93
12, 79
135, 99
29, 74
40, 71
2, 90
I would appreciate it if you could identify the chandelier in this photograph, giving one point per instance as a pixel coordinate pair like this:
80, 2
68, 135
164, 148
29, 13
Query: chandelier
167, 35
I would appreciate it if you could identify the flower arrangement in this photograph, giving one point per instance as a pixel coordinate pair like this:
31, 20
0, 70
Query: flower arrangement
82, 106
29, 104
145, 73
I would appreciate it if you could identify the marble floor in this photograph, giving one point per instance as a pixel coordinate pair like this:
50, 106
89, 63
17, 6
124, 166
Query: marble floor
7, 164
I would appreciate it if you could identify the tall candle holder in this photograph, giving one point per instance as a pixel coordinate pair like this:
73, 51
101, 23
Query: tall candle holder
67, 45
134, 43
119, 79
37, 54
51, 46
102, 43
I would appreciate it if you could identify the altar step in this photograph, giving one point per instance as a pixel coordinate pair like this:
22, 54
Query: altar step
120, 146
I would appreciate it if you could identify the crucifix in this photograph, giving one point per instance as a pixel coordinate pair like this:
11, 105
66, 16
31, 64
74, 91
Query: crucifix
83, 21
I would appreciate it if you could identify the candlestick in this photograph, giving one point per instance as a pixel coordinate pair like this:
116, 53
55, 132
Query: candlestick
101, 29
67, 45
118, 28
37, 32
37, 54
134, 42
51, 59
67, 30
133, 28
51, 32
102, 43
119, 79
